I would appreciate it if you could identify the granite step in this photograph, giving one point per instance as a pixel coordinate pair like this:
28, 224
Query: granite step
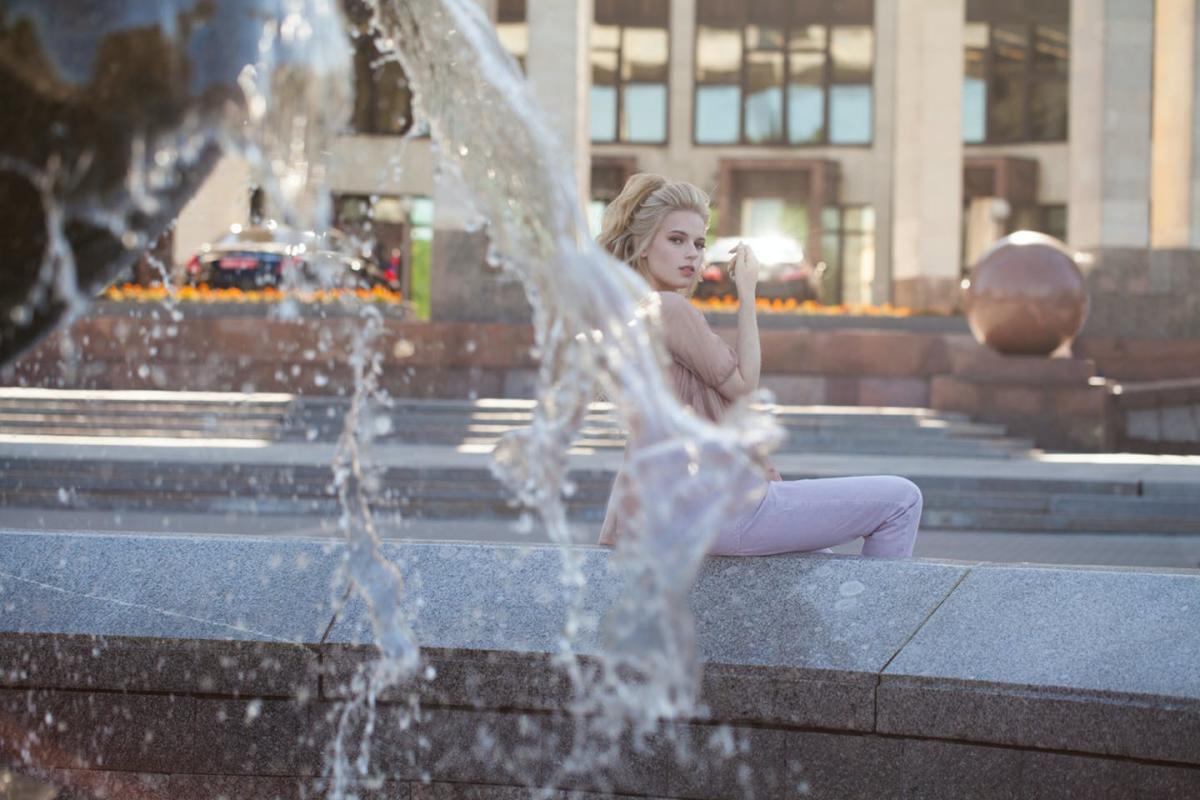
500, 508
283, 417
951, 502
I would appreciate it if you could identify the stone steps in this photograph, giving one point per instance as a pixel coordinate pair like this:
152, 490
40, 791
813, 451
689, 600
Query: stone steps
816, 429
951, 502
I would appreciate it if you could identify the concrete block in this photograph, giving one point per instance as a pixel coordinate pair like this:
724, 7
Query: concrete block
464, 791
891, 392
509, 748
484, 597
1056, 668
488, 679
723, 761
130, 663
254, 737
841, 390
153, 586
1086, 401
96, 730
1052, 776
1016, 400
796, 389
979, 363
102, 785
952, 394
789, 697
830, 624
477, 791
812, 613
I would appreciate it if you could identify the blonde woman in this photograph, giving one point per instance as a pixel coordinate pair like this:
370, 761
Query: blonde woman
657, 227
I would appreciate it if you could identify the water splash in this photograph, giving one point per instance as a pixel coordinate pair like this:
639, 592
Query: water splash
357, 478
592, 329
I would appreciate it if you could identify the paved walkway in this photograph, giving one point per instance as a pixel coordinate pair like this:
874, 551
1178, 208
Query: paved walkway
1156, 476
1168, 475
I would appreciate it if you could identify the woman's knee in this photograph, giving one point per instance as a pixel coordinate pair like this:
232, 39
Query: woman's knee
903, 492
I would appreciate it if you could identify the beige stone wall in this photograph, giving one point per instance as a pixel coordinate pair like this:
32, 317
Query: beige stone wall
1111, 60
558, 69
1174, 175
927, 148
221, 201
382, 165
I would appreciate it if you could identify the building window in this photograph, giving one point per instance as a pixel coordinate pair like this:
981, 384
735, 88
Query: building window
847, 273
1048, 219
1016, 71
512, 29
774, 72
630, 53
382, 98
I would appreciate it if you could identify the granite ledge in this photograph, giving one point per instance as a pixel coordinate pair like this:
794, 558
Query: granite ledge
99, 662
856, 645
495, 680
1150, 727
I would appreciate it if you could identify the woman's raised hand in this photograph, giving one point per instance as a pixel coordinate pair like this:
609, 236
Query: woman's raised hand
743, 269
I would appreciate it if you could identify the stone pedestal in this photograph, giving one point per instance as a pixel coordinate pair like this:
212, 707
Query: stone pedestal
1058, 402
463, 287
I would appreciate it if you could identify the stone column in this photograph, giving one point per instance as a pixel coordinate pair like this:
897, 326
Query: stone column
1131, 152
463, 287
926, 63
681, 86
884, 136
1175, 169
222, 200
1112, 44
559, 70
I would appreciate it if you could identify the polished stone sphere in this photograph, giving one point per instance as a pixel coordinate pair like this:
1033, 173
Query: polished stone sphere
1026, 295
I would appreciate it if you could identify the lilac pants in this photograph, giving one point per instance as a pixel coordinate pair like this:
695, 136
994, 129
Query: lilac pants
807, 515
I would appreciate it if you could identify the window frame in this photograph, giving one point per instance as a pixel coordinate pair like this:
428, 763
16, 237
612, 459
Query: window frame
1029, 21
620, 83
830, 21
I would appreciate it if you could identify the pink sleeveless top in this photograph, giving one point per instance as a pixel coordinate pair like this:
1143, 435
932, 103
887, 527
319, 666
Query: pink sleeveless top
700, 362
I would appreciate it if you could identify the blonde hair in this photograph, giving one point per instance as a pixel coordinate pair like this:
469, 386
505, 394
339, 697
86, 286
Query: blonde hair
634, 216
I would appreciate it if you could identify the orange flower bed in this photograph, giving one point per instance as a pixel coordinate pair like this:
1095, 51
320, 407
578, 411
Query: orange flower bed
268, 294
792, 306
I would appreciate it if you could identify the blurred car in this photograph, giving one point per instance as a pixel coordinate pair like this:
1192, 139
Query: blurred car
784, 271
270, 254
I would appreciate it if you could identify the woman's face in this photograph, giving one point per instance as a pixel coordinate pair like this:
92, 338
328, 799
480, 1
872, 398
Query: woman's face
674, 258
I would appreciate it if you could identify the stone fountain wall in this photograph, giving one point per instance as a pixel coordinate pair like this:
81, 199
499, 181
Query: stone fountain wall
136, 667
1061, 403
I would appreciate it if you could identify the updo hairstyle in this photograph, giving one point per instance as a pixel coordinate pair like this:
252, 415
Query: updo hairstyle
633, 217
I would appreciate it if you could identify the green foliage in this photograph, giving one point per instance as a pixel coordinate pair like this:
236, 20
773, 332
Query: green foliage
422, 256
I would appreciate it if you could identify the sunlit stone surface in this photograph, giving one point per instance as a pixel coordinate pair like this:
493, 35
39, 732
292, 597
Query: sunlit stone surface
947, 679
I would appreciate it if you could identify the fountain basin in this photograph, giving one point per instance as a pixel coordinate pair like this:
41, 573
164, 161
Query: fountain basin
177, 662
